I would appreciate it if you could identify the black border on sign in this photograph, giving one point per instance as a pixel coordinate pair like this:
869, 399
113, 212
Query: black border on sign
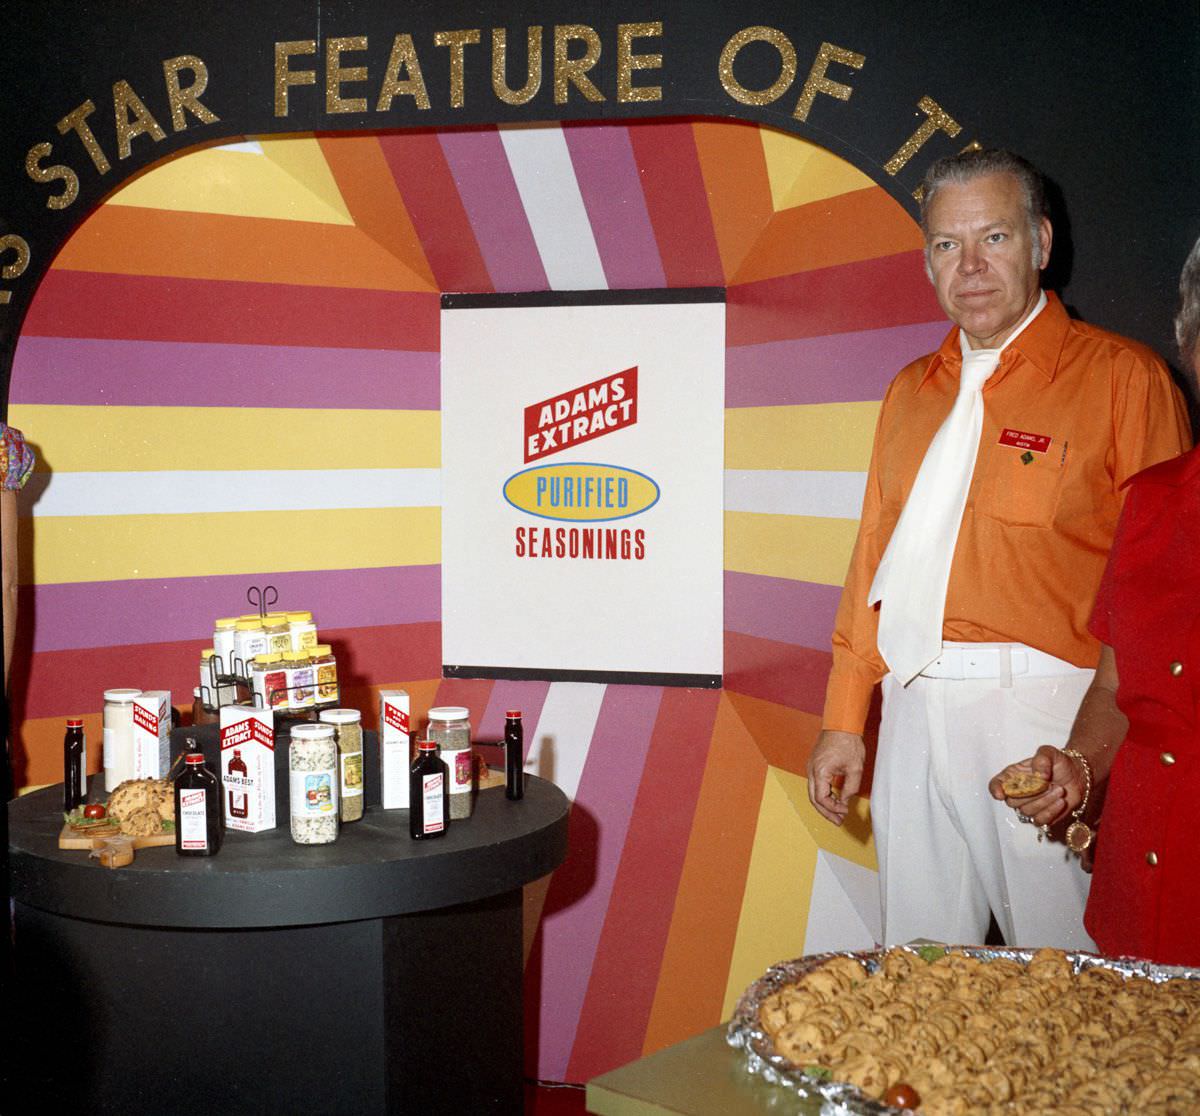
618, 677
647, 296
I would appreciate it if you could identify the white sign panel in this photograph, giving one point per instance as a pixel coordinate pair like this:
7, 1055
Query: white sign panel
582, 465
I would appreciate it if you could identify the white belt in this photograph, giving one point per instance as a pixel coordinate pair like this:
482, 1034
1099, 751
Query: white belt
994, 660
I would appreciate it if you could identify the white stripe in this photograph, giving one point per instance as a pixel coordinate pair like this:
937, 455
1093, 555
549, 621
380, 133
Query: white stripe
250, 147
157, 493
541, 166
564, 733
832, 494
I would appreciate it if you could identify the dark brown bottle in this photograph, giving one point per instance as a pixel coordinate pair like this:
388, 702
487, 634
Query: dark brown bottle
514, 755
239, 802
429, 793
199, 823
74, 765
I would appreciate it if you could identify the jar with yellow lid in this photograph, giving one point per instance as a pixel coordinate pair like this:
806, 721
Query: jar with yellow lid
249, 640
224, 631
279, 638
325, 674
302, 630
299, 670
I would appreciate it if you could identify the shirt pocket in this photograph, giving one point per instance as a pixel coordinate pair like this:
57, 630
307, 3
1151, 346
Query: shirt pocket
1020, 487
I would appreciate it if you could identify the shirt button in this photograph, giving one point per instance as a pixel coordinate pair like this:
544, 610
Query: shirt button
1152, 858
1167, 759
1176, 669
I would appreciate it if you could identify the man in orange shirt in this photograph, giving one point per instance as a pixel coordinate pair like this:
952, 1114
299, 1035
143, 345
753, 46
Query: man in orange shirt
970, 601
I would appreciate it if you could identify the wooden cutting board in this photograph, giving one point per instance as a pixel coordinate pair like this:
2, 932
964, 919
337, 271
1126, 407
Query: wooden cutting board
115, 850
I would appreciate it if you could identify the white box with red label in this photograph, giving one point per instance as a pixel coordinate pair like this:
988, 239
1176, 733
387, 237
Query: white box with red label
248, 767
152, 734
395, 750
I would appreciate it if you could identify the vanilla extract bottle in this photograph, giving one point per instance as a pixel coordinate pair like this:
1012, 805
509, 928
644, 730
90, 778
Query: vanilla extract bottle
74, 765
429, 793
514, 755
199, 820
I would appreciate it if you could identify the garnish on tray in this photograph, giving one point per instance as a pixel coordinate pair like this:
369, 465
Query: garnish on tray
80, 819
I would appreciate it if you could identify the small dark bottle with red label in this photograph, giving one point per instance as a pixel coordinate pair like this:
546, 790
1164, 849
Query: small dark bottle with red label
239, 803
74, 765
199, 824
514, 755
429, 793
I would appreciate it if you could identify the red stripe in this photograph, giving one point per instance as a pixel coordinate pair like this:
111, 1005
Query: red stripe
625, 971
59, 683
430, 195
152, 308
677, 203
780, 672
871, 294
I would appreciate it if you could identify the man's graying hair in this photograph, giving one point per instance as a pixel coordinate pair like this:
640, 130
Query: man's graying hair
960, 169
1187, 321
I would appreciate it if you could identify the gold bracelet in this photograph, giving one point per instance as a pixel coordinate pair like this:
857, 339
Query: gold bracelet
1079, 834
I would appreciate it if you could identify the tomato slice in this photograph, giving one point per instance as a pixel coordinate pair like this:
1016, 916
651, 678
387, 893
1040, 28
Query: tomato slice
94, 810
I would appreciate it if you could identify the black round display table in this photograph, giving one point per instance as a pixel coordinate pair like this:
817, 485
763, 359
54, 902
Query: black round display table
376, 974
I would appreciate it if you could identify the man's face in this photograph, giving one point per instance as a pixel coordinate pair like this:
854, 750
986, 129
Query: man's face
981, 256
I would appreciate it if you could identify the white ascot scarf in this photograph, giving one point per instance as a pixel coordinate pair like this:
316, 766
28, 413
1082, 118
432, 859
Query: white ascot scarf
915, 569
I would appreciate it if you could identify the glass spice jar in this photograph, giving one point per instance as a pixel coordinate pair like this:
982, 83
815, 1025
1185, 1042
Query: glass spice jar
302, 630
279, 639
450, 727
347, 725
118, 736
325, 674
313, 784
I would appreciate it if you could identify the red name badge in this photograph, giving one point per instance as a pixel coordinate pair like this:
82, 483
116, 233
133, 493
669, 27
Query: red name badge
1039, 443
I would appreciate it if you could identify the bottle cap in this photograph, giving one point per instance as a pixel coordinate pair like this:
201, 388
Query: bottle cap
301, 616
194, 759
340, 716
513, 715
426, 745
449, 713
121, 696
306, 730
74, 722
323, 649
226, 622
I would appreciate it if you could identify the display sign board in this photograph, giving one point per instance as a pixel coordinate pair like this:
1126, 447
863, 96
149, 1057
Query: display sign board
582, 473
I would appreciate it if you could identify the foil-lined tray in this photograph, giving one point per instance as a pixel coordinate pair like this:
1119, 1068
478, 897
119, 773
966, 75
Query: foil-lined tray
838, 1097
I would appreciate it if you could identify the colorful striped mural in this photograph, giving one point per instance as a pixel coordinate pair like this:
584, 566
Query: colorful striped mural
230, 377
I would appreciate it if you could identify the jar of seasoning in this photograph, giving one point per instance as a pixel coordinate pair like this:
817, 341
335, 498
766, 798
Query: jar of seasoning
208, 675
249, 640
118, 736
302, 630
224, 631
325, 674
347, 725
278, 637
299, 679
313, 784
266, 681
450, 727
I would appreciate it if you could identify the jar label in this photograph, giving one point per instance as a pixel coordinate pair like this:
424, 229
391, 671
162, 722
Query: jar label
352, 774
460, 764
313, 793
433, 819
193, 819
275, 689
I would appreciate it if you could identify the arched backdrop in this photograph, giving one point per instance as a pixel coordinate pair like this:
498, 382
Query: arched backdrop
230, 373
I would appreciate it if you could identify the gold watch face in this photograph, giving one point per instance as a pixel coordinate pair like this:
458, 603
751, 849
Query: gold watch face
1079, 836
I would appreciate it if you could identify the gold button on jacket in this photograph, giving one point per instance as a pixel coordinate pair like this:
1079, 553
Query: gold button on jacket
1176, 668
1167, 759
1152, 858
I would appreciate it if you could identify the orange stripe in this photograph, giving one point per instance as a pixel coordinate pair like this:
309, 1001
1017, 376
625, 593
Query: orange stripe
369, 191
739, 192
129, 240
695, 965
785, 737
860, 225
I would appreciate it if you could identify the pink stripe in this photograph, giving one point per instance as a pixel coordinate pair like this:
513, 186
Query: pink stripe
798, 612
528, 697
579, 894
123, 613
88, 371
602, 155
836, 368
489, 195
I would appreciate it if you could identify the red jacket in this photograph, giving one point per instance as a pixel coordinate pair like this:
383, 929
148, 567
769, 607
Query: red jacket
1145, 897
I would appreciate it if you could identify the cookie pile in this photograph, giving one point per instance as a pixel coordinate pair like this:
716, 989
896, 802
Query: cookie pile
995, 1036
142, 805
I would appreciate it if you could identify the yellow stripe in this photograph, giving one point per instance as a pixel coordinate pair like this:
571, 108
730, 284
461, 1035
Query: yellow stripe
801, 172
120, 547
775, 902
852, 840
833, 436
800, 547
156, 439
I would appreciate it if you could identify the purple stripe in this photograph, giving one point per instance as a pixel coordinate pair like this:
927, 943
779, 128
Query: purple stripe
528, 697
796, 612
122, 613
489, 195
87, 371
578, 898
602, 155
836, 368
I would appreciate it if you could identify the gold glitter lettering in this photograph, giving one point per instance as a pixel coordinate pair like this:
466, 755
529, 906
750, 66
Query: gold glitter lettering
126, 101
403, 57
187, 99
285, 77
16, 269
457, 41
573, 71
76, 121
817, 81
937, 120
627, 62
533, 79
787, 68
38, 173
336, 74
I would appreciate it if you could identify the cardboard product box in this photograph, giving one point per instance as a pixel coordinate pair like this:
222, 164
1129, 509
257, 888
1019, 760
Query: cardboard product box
395, 748
248, 767
152, 734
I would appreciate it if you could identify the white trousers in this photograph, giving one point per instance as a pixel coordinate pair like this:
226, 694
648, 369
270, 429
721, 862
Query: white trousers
948, 852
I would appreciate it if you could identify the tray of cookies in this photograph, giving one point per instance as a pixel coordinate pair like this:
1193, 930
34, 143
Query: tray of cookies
951, 1031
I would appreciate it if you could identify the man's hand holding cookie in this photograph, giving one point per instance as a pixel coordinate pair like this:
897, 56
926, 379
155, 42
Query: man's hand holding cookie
1043, 788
